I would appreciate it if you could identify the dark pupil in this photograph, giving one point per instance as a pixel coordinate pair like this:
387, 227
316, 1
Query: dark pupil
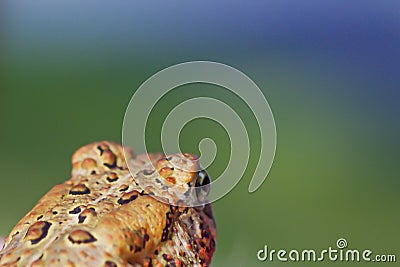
203, 179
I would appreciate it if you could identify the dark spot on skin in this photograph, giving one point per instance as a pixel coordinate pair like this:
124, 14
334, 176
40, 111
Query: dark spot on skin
133, 182
79, 189
164, 235
110, 264
111, 166
89, 212
124, 188
81, 218
202, 244
75, 210
112, 177
108, 156
168, 258
101, 150
93, 172
148, 172
148, 205
148, 262
145, 239
37, 231
55, 212
127, 197
40, 217
206, 234
81, 237
168, 223
16, 233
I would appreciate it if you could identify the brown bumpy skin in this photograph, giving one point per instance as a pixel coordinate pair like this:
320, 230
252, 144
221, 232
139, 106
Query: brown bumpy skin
102, 217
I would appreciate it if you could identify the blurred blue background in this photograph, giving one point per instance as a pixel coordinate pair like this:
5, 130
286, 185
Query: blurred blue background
329, 69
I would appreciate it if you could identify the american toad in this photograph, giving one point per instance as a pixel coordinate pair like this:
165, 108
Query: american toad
102, 217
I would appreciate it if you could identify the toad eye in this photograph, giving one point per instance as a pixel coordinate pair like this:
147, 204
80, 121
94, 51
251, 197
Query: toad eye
202, 178
202, 185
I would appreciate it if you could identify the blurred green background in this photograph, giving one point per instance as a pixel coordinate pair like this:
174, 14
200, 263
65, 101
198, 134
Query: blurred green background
329, 72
